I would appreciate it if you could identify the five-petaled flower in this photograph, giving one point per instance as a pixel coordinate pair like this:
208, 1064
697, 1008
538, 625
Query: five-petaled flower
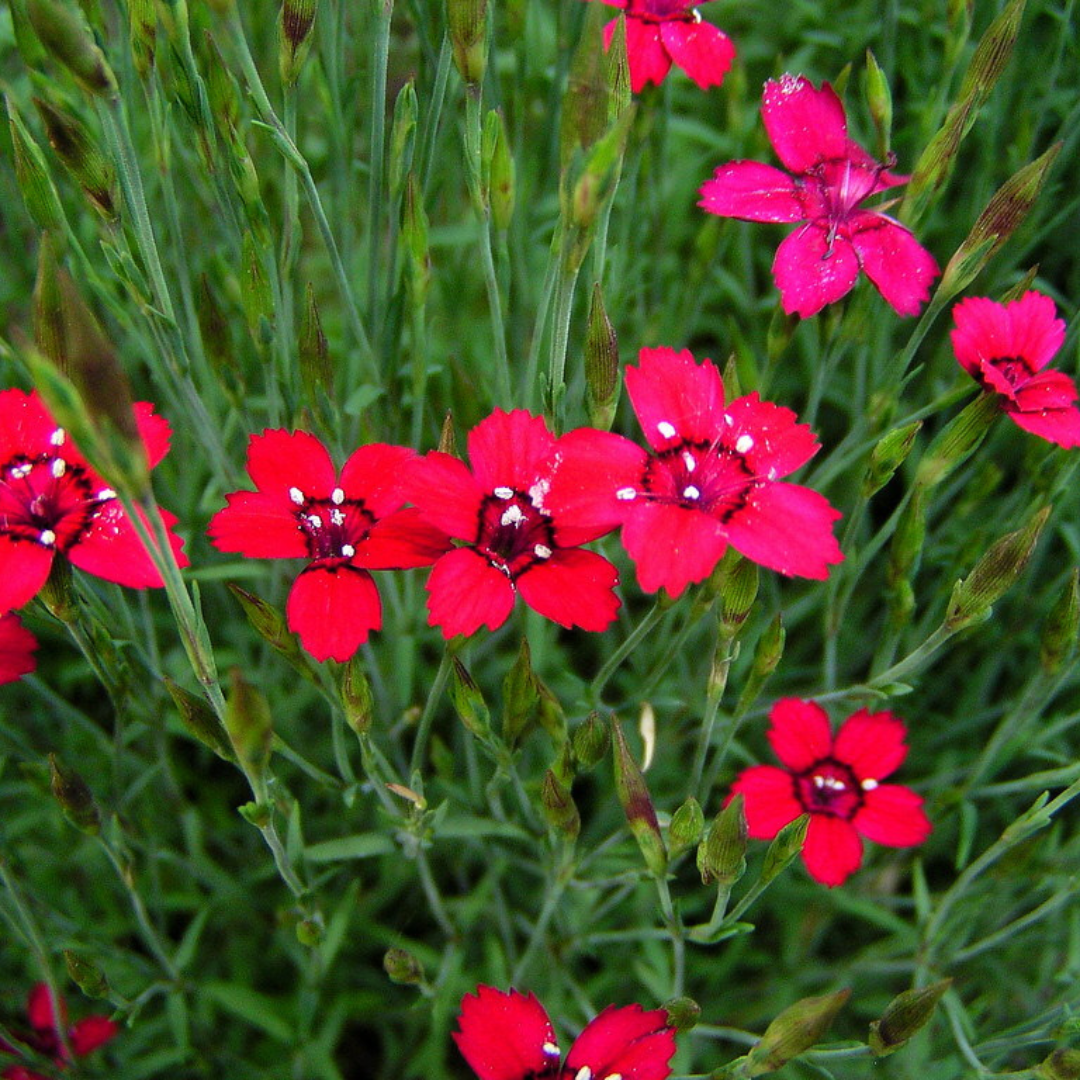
837, 781
661, 31
17, 647
1005, 348
514, 543
508, 1036
831, 177
52, 501
712, 479
344, 527
83, 1037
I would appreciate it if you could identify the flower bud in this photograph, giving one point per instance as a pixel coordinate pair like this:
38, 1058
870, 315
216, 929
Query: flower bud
957, 441
357, 700
32, 175
795, 1030
887, 456
142, 29
879, 100
785, 848
497, 164
617, 72
269, 624
403, 967
521, 696
994, 574
255, 293
77, 152
907, 541
721, 857
70, 791
906, 1015
468, 701
767, 654
68, 39
49, 328
466, 24
585, 112
199, 720
414, 231
683, 1013
214, 329
316, 371
447, 440
687, 825
402, 131
1060, 630
1062, 1064
310, 932
295, 25
601, 364
738, 591
590, 741
86, 975
560, 810
249, 727
637, 804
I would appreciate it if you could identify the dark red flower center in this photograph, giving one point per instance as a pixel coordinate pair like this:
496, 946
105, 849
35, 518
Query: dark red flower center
1017, 370
662, 10
829, 787
835, 188
702, 476
335, 527
513, 534
48, 500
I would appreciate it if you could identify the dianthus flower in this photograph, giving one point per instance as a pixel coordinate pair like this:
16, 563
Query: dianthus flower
831, 176
661, 31
837, 781
84, 1036
508, 1036
52, 502
712, 479
1005, 347
344, 527
17, 647
513, 542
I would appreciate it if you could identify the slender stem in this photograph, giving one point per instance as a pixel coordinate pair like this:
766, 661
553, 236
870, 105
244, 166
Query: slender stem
427, 717
631, 642
431, 119
915, 659
556, 885
678, 938
560, 332
376, 177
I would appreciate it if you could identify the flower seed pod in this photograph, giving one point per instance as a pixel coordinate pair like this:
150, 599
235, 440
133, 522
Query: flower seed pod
70, 791
795, 1030
560, 810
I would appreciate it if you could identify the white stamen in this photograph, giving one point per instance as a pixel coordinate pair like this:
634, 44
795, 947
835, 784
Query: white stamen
296, 495
504, 493
537, 493
614, 1076
771, 474
691, 492
106, 493
728, 420
58, 467
626, 494
833, 783
18, 472
58, 436
47, 537
666, 429
512, 515
689, 461
744, 444
314, 521
542, 551
819, 781
869, 785
337, 517
584, 1073
348, 551
337, 496
551, 1050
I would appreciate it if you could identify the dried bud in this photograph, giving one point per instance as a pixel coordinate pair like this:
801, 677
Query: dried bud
785, 848
316, 371
32, 175
1059, 632
70, 791
560, 811
904, 1016
994, 574
957, 441
357, 700
86, 975
64, 33
591, 740
402, 967
199, 720
447, 441
248, 724
887, 456
721, 858
79, 154
637, 804
683, 1013
794, 1031
468, 701
687, 825
879, 100
601, 364
297, 20
466, 23
497, 164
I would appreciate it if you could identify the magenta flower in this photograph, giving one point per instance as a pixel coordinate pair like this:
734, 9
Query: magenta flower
661, 31
712, 479
52, 502
831, 176
509, 1036
1005, 347
344, 527
835, 781
17, 647
513, 544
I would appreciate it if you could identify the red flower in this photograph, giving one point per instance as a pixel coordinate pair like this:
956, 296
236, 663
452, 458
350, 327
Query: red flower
345, 527
84, 1036
712, 479
17, 646
835, 781
509, 1037
515, 543
661, 31
1004, 348
52, 501
832, 176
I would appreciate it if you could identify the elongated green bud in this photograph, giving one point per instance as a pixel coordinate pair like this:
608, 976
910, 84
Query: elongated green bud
214, 330
199, 720
78, 153
142, 26
357, 700
795, 1030
50, 332
401, 136
255, 294
86, 975
1060, 631
617, 72
468, 701
70, 791
403, 967
590, 741
268, 622
767, 654
637, 803
249, 727
785, 848
560, 810
316, 370
414, 231
295, 25
32, 175
64, 33
957, 441
721, 857
994, 574
879, 101
738, 591
907, 541
497, 165
687, 825
466, 24
585, 115
521, 696
601, 364
905, 1016
890, 453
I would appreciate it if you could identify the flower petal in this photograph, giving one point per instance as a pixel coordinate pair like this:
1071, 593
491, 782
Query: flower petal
24, 569
445, 493
17, 647
504, 1036
872, 744
374, 473
769, 799
702, 50
982, 332
629, 1042
893, 815
26, 427
671, 546
467, 592
510, 449
799, 732
155, 432
900, 267
280, 460
91, 1032
573, 588
40, 1012
648, 59
110, 548
787, 528
810, 272
259, 526
1037, 333
833, 850
401, 541
675, 397
778, 444
1043, 407
805, 125
333, 606
751, 191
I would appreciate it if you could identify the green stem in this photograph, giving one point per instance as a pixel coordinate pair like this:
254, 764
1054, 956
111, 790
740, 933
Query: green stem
631, 642
556, 885
566, 282
376, 176
678, 938
427, 717
915, 659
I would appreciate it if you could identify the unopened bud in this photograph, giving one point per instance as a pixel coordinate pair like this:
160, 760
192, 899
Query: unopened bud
601, 364
738, 591
79, 154
403, 967
560, 810
215, 333
402, 131
414, 231
1062, 1064
637, 804
887, 456
222, 92
50, 334
795, 1030
468, 701
248, 724
590, 741
521, 696
256, 296
142, 25
316, 371
906, 1015
767, 654
778, 336
1060, 630
585, 104
721, 857
879, 100
687, 825
497, 165
268, 622
994, 574
32, 175
297, 21
957, 441
447, 440
64, 33
199, 720
70, 791
466, 24
617, 72
785, 848
357, 700
310, 932
683, 1013
86, 975
907, 541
